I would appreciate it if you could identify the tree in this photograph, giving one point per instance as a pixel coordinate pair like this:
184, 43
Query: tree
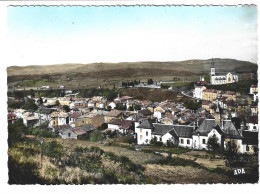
15, 132
231, 150
57, 102
103, 126
150, 82
96, 136
40, 101
53, 149
66, 108
30, 105
213, 144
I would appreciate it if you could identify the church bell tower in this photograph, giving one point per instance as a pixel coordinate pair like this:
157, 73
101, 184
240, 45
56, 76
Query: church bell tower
212, 69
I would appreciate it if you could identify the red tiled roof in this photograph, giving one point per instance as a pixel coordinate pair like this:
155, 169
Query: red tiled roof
114, 113
210, 90
75, 115
78, 131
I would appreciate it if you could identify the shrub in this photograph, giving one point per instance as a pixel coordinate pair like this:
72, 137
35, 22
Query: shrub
129, 140
53, 149
96, 136
213, 144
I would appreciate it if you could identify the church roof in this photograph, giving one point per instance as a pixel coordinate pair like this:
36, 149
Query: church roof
230, 130
206, 126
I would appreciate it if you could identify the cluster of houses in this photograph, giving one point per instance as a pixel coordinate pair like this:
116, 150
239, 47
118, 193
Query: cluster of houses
145, 120
232, 102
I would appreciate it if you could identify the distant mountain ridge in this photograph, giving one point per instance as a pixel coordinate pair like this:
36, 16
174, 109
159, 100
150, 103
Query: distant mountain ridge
194, 66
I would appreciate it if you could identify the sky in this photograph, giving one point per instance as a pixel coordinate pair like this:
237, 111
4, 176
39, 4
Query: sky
74, 34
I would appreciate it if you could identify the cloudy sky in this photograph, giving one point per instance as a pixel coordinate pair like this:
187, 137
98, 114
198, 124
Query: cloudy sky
55, 35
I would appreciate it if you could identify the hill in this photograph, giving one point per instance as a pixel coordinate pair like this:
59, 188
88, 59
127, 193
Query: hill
109, 74
196, 66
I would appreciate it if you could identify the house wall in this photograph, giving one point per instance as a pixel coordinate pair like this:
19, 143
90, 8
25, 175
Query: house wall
253, 127
67, 103
237, 141
54, 121
183, 142
198, 92
167, 137
209, 96
157, 114
61, 121
116, 127
66, 135
198, 142
142, 137
250, 147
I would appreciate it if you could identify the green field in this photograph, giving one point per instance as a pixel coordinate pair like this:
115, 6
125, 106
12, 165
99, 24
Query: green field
35, 83
176, 84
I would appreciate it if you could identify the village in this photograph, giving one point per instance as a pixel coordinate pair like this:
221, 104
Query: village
228, 115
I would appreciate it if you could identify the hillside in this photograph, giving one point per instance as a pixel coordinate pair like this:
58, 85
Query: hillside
196, 66
110, 74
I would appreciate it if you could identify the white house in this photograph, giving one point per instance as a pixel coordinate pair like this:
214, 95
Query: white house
112, 105
224, 130
143, 129
181, 135
198, 91
63, 118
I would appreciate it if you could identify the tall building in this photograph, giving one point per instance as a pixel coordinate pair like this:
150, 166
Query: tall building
219, 78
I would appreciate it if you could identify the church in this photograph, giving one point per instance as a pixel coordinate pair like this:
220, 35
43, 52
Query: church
219, 78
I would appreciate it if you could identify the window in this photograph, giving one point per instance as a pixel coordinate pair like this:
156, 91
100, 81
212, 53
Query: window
141, 137
188, 141
247, 148
141, 130
254, 127
69, 134
160, 139
146, 133
203, 141
181, 141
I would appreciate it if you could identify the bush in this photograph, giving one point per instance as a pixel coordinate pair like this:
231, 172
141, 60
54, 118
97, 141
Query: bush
53, 149
15, 131
129, 140
96, 136
213, 144
156, 143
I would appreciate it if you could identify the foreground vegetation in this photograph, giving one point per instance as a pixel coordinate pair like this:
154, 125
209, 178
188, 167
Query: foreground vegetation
70, 161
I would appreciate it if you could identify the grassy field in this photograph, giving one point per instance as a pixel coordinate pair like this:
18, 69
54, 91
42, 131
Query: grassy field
176, 84
35, 83
85, 162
